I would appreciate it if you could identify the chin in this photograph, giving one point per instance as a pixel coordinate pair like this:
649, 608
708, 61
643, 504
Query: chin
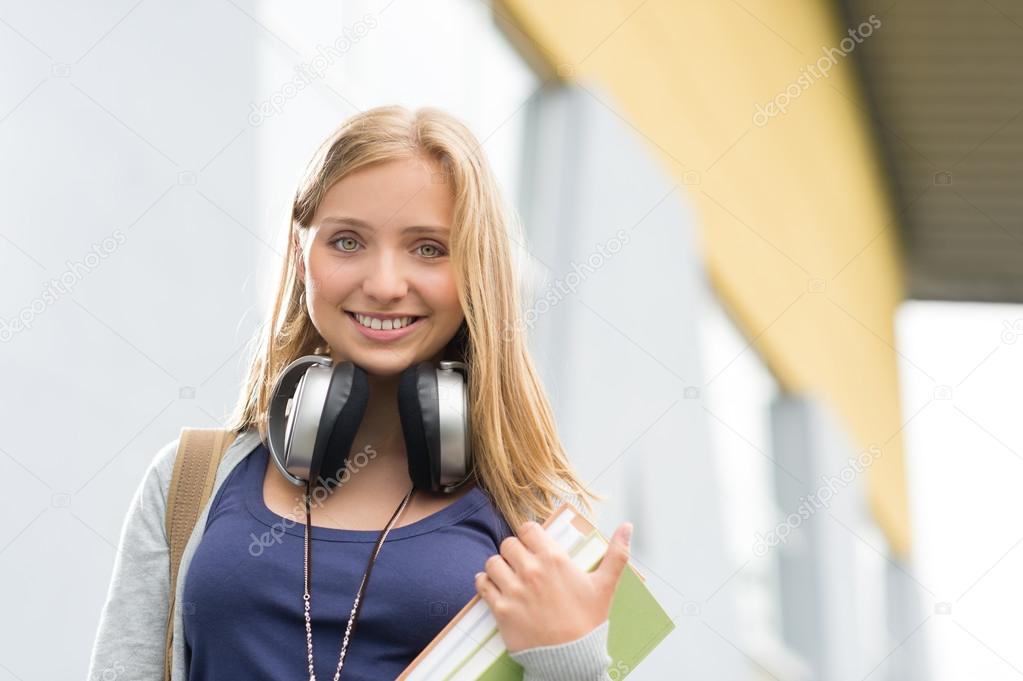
382, 372
383, 363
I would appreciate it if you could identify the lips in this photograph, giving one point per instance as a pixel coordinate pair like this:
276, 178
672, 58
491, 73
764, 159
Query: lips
408, 319
384, 334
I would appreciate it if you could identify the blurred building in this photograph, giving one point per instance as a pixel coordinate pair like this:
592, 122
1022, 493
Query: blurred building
789, 173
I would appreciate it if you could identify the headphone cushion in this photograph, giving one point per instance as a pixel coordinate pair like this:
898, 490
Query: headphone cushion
413, 393
345, 405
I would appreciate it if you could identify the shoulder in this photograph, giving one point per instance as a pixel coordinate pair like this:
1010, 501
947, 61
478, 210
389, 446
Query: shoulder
150, 498
155, 485
160, 468
162, 465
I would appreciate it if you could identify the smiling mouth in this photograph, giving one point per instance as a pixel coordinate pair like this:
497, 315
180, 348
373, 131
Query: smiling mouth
382, 325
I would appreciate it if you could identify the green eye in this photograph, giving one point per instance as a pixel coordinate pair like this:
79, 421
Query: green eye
343, 239
438, 251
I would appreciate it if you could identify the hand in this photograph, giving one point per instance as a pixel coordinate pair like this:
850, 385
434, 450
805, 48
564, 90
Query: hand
539, 597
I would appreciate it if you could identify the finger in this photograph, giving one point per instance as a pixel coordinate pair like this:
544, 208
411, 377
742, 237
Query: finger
535, 538
517, 555
616, 557
501, 574
487, 590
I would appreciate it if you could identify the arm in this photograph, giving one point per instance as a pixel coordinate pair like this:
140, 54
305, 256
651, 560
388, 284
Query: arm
584, 659
130, 638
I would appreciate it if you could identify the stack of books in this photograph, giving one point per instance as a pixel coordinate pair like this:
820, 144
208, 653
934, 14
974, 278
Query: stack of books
470, 647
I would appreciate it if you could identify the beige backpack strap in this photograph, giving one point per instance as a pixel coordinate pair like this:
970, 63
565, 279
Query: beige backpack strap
195, 470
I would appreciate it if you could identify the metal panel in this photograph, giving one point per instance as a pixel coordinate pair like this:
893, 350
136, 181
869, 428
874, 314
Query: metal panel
946, 82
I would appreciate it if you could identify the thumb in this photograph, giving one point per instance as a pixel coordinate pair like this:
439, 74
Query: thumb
616, 557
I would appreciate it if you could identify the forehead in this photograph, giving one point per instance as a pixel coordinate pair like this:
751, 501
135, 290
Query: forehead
392, 194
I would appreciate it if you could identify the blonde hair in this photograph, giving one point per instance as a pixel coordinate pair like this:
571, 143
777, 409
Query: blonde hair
518, 457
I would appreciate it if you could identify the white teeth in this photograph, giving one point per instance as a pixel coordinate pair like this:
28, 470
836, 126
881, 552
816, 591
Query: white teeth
384, 324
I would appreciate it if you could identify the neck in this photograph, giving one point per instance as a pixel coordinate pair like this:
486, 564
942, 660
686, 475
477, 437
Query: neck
380, 428
380, 432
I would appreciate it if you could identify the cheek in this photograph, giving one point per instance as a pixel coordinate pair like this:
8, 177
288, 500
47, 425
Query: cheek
440, 291
326, 279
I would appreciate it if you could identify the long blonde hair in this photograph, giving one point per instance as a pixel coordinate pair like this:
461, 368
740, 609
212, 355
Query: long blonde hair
517, 454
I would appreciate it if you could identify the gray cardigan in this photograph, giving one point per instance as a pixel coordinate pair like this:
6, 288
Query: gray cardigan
130, 640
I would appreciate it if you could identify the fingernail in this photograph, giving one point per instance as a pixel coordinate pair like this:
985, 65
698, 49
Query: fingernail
628, 534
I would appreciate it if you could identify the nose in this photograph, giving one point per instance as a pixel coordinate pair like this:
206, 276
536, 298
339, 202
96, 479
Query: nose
385, 282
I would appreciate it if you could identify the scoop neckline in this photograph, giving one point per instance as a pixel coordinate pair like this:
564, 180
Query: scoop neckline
256, 504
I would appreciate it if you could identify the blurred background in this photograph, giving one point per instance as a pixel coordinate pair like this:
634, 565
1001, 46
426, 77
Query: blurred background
774, 267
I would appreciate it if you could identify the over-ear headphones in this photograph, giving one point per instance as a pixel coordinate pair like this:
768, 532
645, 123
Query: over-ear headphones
316, 407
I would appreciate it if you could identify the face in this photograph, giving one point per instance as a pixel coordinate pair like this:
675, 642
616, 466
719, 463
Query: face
379, 244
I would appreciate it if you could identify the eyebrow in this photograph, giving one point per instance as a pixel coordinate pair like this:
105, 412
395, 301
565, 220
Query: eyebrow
361, 224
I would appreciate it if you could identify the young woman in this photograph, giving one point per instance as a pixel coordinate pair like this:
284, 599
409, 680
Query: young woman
398, 217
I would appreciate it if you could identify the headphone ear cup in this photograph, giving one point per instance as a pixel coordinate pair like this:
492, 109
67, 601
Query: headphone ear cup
417, 407
344, 407
294, 415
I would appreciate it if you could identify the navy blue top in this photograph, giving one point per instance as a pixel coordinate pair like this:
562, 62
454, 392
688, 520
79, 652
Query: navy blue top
242, 603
